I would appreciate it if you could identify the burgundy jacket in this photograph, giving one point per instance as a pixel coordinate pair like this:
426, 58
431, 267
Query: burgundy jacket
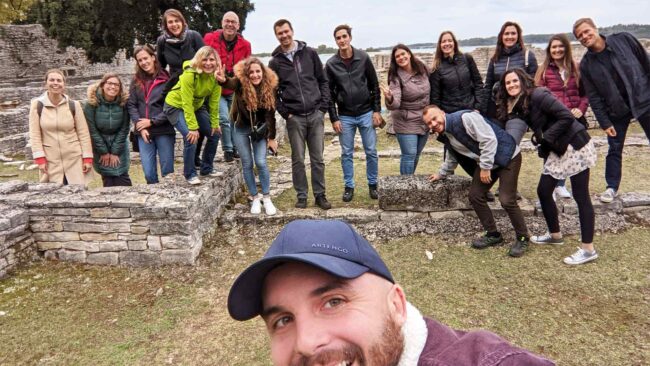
570, 95
448, 347
241, 51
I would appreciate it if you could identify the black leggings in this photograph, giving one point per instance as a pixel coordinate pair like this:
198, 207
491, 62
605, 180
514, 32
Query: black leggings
580, 188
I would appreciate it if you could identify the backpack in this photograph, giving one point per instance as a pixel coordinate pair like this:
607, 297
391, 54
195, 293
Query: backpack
39, 108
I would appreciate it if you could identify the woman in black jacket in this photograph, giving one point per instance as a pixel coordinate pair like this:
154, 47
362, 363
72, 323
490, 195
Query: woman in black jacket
455, 81
567, 150
177, 43
156, 136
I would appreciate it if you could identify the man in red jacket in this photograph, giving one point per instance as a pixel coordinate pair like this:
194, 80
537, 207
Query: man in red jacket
327, 298
232, 48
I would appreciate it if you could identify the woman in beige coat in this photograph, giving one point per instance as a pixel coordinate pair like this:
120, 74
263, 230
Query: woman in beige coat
59, 135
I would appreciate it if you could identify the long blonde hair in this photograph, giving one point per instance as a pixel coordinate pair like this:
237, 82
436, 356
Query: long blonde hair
202, 54
266, 89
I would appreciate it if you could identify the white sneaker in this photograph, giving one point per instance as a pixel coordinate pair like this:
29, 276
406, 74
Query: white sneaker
256, 205
546, 239
215, 173
269, 208
608, 196
580, 257
194, 181
562, 192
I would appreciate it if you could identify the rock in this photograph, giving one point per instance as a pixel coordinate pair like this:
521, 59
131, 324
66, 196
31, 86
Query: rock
140, 258
106, 259
633, 199
416, 193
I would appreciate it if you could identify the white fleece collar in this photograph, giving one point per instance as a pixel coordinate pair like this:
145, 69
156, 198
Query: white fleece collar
415, 335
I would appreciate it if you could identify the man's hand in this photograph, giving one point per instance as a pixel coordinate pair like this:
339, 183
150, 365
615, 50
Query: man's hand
486, 176
576, 113
272, 144
337, 127
216, 131
142, 124
435, 177
192, 137
145, 136
610, 131
376, 119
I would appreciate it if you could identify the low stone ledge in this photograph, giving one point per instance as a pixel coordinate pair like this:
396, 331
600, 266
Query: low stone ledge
417, 193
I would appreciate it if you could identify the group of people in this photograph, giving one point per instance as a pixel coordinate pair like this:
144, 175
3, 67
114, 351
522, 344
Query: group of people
209, 88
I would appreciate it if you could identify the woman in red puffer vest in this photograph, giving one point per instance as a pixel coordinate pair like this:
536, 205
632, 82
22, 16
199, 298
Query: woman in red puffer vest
561, 75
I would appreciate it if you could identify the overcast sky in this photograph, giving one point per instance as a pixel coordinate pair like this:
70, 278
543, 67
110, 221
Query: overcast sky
385, 23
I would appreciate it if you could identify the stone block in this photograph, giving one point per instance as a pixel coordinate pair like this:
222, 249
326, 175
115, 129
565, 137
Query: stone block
172, 227
87, 246
393, 215
83, 227
107, 259
98, 236
132, 237
12, 186
136, 229
137, 244
416, 193
633, 199
179, 212
179, 256
70, 211
417, 215
176, 242
113, 246
4, 224
49, 245
110, 212
42, 226
143, 258
127, 200
353, 215
153, 242
446, 215
38, 218
51, 255
148, 212
72, 256
57, 236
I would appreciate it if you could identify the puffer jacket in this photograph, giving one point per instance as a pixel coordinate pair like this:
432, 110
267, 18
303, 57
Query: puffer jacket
108, 123
229, 58
510, 58
354, 90
189, 95
632, 64
303, 86
239, 112
456, 84
175, 53
553, 125
410, 96
571, 95
149, 104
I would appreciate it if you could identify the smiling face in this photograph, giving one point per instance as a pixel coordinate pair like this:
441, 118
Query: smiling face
55, 83
447, 45
230, 25
587, 35
402, 58
513, 84
435, 120
342, 39
111, 88
510, 36
284, 34
174, 25
146, 62
255, 74
209, 63
557, 50
314, 318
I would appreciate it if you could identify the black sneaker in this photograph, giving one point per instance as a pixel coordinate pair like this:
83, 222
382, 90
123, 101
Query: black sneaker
519, 247
348, 194
372, 189
322, 202
228, 156
489, 196
487, 241
301, 203
235, 154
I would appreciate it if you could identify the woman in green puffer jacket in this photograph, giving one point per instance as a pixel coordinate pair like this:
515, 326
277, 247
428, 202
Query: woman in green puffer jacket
108, 122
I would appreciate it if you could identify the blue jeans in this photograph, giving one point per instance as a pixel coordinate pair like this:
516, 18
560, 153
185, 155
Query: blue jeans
411, 147
614, 159
189, 150
249, 150
227, 128
349, 127
163, 145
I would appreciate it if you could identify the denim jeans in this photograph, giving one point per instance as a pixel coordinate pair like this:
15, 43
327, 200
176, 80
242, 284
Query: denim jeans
307, 130
249, 151
614, 159
411, 147
163, 147
189, 150
227, 127
349, 127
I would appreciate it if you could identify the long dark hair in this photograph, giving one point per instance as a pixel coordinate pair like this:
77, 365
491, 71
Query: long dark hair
500, 46
527, 87
416, 64
439, 55
568, 62
140, 75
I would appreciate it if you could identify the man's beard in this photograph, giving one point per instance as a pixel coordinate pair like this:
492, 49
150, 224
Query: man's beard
385, 352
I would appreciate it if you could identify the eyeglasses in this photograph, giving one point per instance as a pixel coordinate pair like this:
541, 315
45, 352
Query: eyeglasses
110, 83
231, 22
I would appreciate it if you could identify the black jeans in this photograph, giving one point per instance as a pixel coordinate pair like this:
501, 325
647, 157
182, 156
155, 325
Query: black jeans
614, 159
580, 188
115, 181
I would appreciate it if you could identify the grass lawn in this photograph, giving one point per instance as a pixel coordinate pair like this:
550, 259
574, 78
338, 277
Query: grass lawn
596, 314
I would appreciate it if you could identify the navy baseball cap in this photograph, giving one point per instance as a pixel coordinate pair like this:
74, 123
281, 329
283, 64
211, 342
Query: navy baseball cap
330, 245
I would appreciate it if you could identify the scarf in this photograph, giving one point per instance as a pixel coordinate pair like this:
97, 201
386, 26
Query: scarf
170, 38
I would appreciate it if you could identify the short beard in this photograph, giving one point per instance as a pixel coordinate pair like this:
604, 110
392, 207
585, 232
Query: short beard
386, 352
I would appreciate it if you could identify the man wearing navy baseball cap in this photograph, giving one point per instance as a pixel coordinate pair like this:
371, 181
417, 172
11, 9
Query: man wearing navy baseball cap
327, 298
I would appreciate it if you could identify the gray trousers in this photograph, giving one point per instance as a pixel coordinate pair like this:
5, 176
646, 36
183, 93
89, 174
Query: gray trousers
307, 131
516, 128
